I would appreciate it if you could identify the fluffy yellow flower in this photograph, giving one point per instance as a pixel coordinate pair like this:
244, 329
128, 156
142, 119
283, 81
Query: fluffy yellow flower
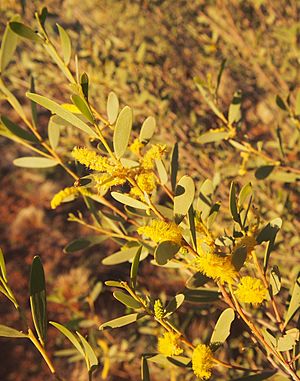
216, 267
146, 181
155, 152
159, 231
251, 290
91, 159
136, 146
158, 309
168, 344
67, 192
202, 361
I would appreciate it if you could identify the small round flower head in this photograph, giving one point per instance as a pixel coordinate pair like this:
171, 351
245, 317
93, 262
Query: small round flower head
168, 344
155, 152
202, 361
216, 267
158, 309
136, 146
251, 290
159, 231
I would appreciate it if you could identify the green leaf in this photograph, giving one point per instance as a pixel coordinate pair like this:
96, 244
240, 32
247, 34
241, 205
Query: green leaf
12, 100
275, 280
196, 281
127, 300
65, 44
10, 332
245, 193
165, 251
2, 266
8, 45
294, 304
239, 257
121, 256
256, 377
33, 104
135, 267
233, 204
96, 291
25, 32
281, 103
83, 107
213, 136
174, 166
234, 113
69, 335
147, 129
145, 374
288, 341
83, 243
174, 304
53, 132
192, 226
162, 173
17, 130
113, 283
264, 171
90, 356
120, 321
35, 162
222, 327
38, 302
112, 107
184, 197
122, 131
84, 83
204, 202
60, 111
201, 295
284, 176
130, 201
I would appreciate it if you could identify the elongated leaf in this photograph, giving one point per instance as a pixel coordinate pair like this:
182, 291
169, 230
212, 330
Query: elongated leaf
25, 32
294, 302
204, 202
18, 131
127, 300
275, 280
60, 111
196, 281
281, 103
12, 100
147, 129
83, 243
122, 131
162, 173
174, 304
192, 226
121, 256
145, 374
112, 107
288, 341
11, 332
174, 166
91, 358
234, 113
135, 267
35, 162
245, 194
2, 266
38, 302
201, 295
120, 321
53, 132
297, 106
83, 107
165, 251
130, 201
69, 335
213, 137
184, 197
222, 327
256, 377
238, 257
264, 171
65, 44
233, 204
113, 283
8, 45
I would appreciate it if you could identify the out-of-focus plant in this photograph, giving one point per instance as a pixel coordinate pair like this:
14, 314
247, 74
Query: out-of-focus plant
133, 195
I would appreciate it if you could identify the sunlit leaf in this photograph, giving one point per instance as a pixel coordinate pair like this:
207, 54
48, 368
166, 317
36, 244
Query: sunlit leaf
294, 304
112, 107
174, 304
222, 327
69, 335
122, 131
35, 162
83, 107
10, 332
147, 129
130, 201
184, 197
25, 32
165, 251
120, 321
8, 45
65, 44
127, 300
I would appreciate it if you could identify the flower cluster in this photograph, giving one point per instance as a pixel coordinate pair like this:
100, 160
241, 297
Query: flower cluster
251, 290
159, 231
168, 344
158, 309
202, 361
68, 193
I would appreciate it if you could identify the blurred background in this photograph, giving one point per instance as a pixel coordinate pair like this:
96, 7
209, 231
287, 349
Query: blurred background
147, 52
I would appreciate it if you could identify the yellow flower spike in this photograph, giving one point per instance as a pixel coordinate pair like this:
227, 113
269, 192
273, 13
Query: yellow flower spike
158, 309
67, 192
136, 146
155, 152
202, 361
159, 231
251, 290
107, 181
216, 267
91, 159
168, 344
